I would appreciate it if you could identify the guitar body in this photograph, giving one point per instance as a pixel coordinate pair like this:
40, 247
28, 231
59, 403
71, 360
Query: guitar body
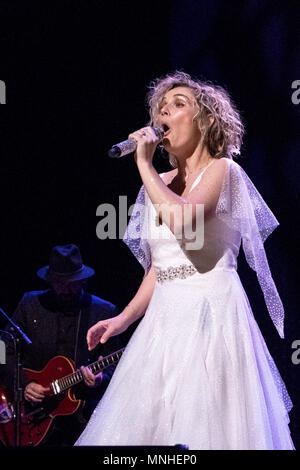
57, 367
36, 419
59, 376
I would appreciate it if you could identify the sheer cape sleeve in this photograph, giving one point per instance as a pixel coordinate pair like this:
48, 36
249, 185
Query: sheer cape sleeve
241, 207
135, 235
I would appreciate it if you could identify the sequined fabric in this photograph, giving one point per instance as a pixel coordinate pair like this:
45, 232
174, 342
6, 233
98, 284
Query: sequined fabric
197, 370
242, 208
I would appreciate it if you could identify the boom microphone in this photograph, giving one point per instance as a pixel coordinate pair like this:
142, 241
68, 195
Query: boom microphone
129, 145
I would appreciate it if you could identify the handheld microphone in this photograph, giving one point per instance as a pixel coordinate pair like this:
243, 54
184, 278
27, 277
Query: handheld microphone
129, 145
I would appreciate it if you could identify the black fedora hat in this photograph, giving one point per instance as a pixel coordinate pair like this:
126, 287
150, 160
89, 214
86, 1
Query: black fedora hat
65, 263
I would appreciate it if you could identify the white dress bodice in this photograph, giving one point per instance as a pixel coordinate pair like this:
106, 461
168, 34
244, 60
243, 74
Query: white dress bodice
219, 251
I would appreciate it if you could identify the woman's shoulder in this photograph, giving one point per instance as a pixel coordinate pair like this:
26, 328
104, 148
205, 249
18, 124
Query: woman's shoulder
216, 168
222, 166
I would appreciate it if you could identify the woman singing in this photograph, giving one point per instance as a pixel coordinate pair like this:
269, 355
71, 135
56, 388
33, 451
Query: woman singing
197, 370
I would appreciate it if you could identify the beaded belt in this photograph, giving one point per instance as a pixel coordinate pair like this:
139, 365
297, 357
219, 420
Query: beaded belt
181, 272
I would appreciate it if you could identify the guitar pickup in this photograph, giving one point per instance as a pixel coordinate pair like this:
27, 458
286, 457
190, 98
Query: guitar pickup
55, 387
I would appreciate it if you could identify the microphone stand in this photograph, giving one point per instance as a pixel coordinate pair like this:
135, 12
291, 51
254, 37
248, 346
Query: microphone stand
18, 390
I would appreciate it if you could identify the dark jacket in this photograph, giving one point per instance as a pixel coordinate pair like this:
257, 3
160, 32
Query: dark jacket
54, 332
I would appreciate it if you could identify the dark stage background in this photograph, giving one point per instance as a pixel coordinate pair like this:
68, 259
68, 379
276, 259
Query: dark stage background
76, 74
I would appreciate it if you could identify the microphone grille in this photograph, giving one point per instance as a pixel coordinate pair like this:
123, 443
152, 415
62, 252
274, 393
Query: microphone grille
159, 132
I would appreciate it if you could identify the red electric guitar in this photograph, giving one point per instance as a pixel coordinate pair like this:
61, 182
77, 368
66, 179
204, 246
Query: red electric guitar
59, 375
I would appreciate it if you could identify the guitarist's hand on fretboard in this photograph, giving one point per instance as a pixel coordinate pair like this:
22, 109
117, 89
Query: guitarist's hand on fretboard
90, 379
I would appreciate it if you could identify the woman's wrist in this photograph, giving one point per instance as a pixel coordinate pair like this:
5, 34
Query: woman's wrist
129, 314
144, 164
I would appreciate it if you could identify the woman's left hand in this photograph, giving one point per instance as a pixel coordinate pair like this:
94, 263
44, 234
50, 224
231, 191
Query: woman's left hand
147, 141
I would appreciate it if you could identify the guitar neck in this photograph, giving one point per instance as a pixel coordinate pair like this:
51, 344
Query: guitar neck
63, 384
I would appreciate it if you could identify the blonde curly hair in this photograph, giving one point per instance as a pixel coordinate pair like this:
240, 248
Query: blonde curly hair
223, 137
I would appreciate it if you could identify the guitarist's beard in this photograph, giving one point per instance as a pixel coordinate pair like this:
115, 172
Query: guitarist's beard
68, 302
65, 303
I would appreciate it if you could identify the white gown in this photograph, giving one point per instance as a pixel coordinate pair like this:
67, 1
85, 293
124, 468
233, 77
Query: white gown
197, 370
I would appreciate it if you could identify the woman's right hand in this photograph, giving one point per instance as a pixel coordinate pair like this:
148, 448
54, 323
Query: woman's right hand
104, 329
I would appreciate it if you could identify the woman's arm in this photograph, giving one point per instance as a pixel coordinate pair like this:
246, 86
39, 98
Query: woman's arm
138, 305
104, 329
169, 205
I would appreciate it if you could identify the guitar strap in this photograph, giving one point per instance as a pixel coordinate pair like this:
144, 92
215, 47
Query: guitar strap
76, 338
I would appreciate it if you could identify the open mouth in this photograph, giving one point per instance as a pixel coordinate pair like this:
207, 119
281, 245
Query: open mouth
166, 129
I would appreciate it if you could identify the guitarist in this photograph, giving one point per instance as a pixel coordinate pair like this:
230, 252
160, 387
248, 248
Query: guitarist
56, 320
